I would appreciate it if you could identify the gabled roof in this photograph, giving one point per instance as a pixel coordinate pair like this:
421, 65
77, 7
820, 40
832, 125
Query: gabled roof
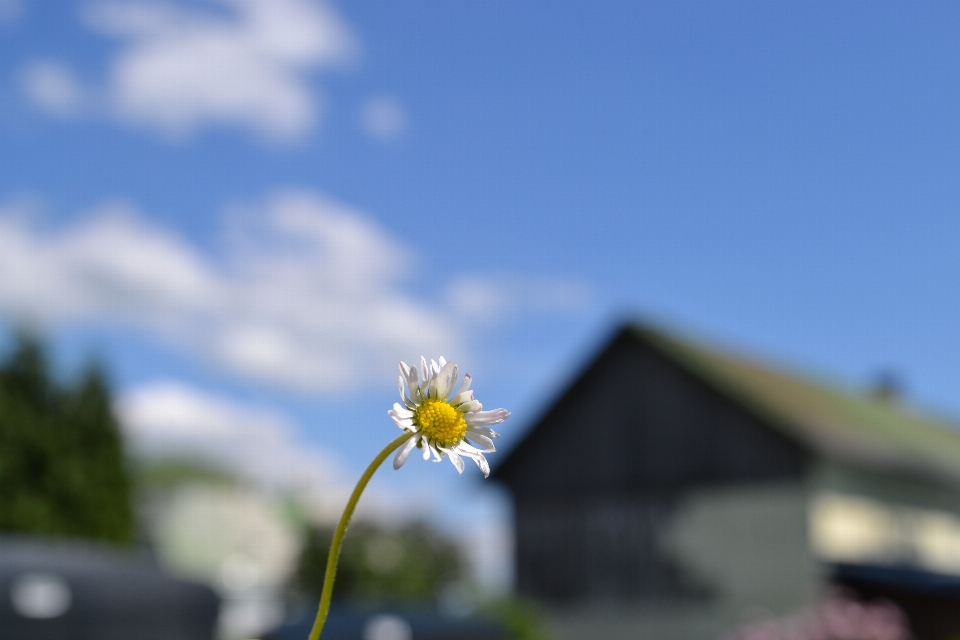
833, 422
859, 427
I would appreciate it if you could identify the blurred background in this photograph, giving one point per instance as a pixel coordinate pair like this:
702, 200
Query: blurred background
224, 222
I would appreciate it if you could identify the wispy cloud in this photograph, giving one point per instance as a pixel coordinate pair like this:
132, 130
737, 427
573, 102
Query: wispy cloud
234, 63
53, 88
167, 418
503, 296
304, 293
383, 118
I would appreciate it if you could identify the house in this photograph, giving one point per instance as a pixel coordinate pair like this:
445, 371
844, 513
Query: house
676, 490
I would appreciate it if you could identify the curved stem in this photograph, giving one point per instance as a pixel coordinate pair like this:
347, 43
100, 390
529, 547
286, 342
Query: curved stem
332, 559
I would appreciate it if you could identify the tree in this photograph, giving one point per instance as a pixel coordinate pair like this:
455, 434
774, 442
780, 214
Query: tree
411, 564
62, 467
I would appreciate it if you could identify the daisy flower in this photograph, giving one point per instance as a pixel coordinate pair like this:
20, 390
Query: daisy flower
441, 421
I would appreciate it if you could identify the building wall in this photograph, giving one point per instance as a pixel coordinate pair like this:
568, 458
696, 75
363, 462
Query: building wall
601, 549
725, 556
605, 471
748, 544
863, 517
638, 621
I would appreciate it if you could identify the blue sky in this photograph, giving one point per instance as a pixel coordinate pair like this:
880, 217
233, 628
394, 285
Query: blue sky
251, 210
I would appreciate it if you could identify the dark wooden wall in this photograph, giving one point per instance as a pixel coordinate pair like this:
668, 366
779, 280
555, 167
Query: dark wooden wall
597, 478
601, 548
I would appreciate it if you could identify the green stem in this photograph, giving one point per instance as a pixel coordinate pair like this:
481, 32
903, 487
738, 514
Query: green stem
334, 556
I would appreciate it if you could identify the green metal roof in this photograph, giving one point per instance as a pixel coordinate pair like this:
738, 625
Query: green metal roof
855, 426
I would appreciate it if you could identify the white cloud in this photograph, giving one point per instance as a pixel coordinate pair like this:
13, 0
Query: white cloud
502, 296
169, 418
245, 63
116, 266
54, 88
306, 293
383, 118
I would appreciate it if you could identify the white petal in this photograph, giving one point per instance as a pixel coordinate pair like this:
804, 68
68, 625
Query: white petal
445, 379
426, 447
401, 411
404, 369
442, 361
470, 406
478, 458
483, 464
436, 454
402, 421
452, 381
483, 431
483, 443
435, 377
404, 452
480, 418
413, 385
466, 448
455, 459
467, 379
424, 378
460, 398
403, 394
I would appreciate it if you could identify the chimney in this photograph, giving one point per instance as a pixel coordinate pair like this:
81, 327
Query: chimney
887, 386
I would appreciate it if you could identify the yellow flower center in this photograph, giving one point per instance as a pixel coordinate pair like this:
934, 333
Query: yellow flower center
440, 422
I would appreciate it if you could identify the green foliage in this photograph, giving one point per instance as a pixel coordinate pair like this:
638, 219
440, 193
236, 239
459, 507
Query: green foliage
62, 467
520, 619
412, 564
170, 472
